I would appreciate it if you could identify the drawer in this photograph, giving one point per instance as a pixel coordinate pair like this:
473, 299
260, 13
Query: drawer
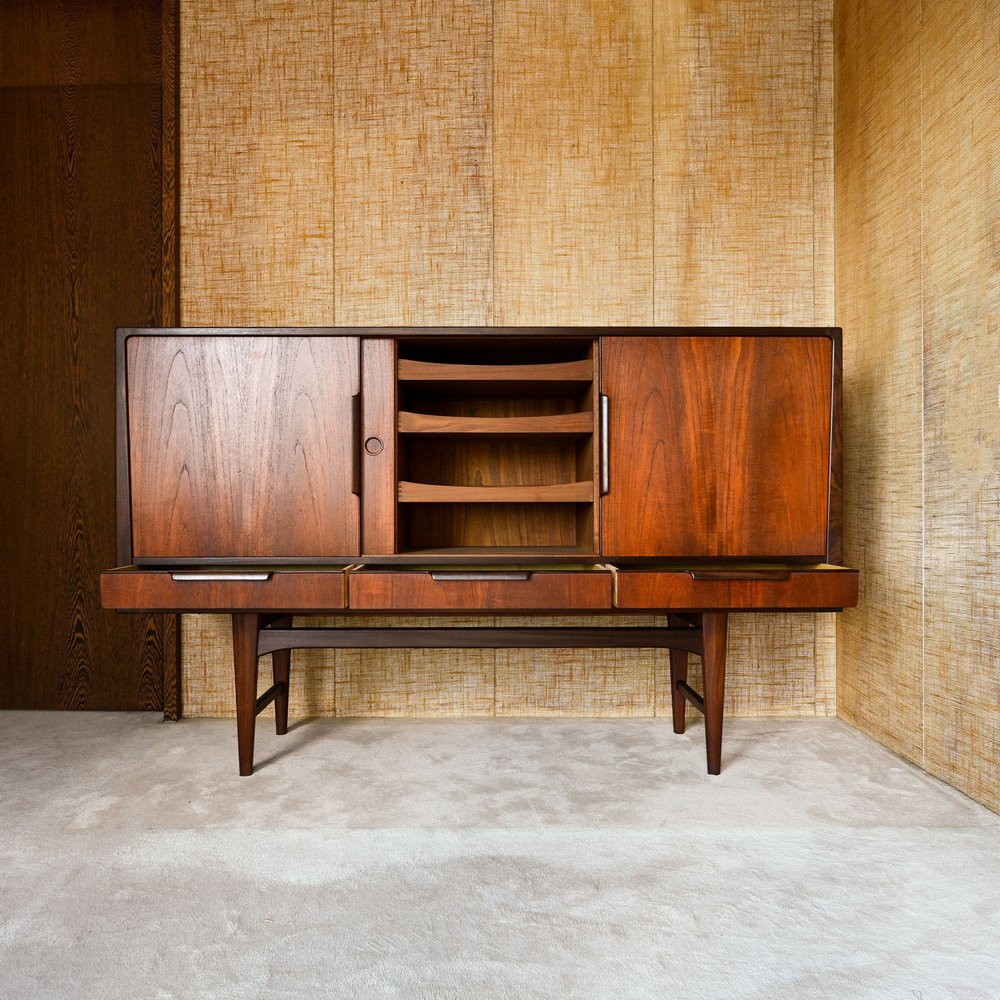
737, 588
135, 588
480, 589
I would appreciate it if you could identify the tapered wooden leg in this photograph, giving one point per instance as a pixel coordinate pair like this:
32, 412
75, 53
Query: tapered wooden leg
281, 666
678, 672
246, 628
714, 630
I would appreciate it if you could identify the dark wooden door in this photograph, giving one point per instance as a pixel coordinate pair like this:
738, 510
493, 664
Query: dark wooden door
80, 214
719, 446
241, 447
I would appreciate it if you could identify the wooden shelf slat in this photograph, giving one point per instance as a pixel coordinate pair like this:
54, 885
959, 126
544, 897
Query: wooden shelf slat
552, 424
556, 493
498, 554
433, 371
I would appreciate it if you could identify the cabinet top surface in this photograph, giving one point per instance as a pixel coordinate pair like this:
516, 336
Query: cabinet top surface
519, 332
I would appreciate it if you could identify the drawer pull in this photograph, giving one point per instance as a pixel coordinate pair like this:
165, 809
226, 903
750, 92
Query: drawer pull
220, 577
746, 574
473, 576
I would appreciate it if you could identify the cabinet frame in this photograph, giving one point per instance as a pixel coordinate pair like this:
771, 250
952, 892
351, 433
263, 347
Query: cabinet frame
375, 524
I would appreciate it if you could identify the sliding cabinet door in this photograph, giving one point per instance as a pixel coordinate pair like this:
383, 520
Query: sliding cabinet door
719, 446
242, 447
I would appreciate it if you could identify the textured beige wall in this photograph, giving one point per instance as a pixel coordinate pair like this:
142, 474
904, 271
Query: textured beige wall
918, 295
463, 162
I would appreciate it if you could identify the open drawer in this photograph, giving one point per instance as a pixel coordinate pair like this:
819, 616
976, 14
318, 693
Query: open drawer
137, 588
479, 588
753, 587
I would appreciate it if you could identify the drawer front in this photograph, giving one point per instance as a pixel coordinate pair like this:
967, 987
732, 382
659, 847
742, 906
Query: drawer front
480, 590
735, 590
136, 589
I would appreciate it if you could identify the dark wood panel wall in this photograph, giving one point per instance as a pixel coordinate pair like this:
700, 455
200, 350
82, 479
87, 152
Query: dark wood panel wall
83, 252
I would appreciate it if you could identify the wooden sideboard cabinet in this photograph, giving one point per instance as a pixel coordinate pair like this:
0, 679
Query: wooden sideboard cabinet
270, 473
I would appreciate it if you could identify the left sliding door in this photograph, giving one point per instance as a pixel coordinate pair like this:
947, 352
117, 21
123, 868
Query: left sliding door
242, 446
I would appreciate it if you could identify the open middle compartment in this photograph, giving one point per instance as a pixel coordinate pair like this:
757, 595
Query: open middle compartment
497, 445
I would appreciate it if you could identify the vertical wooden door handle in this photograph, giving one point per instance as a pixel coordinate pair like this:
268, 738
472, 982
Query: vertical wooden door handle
356, 444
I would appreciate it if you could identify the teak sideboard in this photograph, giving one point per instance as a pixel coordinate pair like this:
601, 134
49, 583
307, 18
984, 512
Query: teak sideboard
267, 473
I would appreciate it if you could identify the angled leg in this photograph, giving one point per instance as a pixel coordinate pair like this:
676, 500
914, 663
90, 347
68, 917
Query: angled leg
246, 628
678, 672
713, 660
281, 665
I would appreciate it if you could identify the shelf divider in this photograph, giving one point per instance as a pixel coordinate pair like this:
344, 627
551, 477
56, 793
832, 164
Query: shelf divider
434, 371
555, 493
550, 424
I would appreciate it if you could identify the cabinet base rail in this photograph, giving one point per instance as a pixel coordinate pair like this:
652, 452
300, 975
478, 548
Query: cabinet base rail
256, 635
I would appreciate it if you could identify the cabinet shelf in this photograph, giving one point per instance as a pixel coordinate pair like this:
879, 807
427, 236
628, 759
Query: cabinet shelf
434, 371
554, 424
555, 493
505, 555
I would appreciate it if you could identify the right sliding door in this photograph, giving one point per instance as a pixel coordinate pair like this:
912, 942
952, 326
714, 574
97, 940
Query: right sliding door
718, 446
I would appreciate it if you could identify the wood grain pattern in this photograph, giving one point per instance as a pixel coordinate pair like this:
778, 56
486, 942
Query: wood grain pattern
719, 446
290, 589
551, 424
170, 222
516, 527
373, 590
879, 687
960, 268
379, 460
241, 446
557, 493
475, 461
413, 106
430, 371
170, 295
256, 192
48, 43
679, 590
80, 206
573, 214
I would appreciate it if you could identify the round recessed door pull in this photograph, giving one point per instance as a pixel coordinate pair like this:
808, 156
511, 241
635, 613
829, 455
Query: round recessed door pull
374, 446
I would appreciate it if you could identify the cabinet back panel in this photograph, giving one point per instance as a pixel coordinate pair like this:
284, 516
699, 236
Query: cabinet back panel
719, 446
491, 462
515, 406
487, 525
241, 446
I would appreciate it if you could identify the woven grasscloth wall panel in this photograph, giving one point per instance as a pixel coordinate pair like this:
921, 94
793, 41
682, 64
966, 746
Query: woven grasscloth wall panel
918, 295
878, 305
573, 163
414, 93
961, 281
735, 128
256, 163
519, 163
